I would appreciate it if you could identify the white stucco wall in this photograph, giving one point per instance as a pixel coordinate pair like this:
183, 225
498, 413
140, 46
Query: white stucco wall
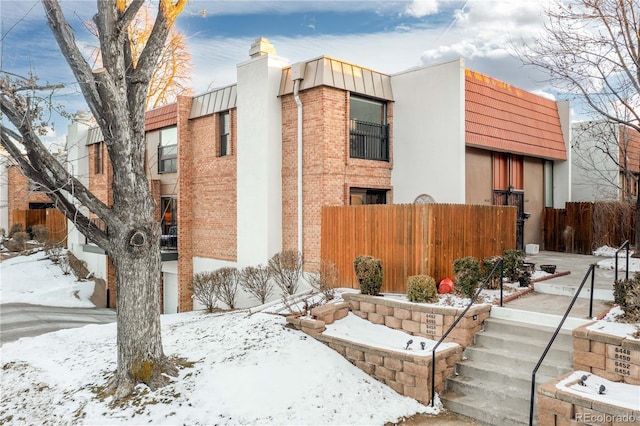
78, 165
259, 163
562, 169
595, 175
428, 133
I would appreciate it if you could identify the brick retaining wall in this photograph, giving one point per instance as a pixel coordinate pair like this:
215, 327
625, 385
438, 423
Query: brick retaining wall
561, 407
612, 357
420, 319
408, 374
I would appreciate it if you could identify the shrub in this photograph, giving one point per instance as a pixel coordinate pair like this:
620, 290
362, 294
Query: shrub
468, 275
53, 251
203, 288
256, 280
286, 268
626, 293
369, 273
421, 289
513, 260
64, 264
487, 266
40, 233
16, 227
326, 279
227, 280
18, 242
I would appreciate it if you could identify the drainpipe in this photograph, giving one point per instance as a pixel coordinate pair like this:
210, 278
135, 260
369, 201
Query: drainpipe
297, 74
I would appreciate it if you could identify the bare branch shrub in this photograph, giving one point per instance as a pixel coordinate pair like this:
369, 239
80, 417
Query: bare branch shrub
203, 288
53, 250
64, 264
18, 242
326, 279
16, 227
40, 233
256, 280
286, 268
227, 286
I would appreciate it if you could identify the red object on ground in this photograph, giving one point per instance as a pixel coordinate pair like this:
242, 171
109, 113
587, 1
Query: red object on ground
446, 286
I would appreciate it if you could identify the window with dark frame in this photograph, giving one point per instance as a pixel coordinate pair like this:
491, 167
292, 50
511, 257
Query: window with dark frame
98, 157
168, 150
368, 129
360, 196
224, 130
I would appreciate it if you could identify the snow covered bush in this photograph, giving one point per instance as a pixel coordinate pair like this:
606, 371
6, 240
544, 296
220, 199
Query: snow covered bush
421, 289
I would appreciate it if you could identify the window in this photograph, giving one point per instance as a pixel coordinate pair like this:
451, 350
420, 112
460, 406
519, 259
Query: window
359, 196
98, 157
548, 183
508, 171
224, 133
169, 222
168, 150
368, 129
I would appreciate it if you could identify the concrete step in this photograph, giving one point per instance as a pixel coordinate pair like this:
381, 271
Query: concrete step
493, 381
516, 362
487, 372
484, 411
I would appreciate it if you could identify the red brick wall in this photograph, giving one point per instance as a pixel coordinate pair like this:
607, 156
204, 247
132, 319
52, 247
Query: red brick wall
19, 195
100, 184
214, 189
185, 206
328, 171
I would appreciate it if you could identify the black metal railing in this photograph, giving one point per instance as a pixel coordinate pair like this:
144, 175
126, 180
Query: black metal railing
369, 141
623, 246
169, 241
555, 334
499, 263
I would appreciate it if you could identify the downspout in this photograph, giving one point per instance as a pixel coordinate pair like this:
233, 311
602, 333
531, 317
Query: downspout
297, 73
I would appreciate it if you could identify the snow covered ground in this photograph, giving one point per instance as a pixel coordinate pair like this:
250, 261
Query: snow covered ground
247, 369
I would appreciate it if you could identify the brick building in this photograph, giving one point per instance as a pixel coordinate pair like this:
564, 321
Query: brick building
242, 171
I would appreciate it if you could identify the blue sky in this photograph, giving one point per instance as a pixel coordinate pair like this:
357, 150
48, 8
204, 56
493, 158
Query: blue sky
388, 36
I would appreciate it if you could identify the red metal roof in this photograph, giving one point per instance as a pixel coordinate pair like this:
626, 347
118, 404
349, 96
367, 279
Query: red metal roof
163, 116
501, 117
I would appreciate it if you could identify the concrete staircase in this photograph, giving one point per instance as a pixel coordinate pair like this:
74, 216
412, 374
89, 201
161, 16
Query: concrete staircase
493, 381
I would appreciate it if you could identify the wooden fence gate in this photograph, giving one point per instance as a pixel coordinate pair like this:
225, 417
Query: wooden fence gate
53, 219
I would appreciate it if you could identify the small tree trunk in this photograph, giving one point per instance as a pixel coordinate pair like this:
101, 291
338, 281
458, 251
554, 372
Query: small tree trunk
137, 264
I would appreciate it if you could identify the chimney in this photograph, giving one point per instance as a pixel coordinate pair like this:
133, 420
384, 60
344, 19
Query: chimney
261, 47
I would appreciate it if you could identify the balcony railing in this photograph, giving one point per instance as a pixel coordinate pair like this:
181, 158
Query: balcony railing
169, 241
369, 141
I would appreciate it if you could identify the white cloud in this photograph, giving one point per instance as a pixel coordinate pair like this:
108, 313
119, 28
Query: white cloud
421, 8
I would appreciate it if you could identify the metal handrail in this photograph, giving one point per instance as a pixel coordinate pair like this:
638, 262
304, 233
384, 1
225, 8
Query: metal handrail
555, 334
624, 245
452, 326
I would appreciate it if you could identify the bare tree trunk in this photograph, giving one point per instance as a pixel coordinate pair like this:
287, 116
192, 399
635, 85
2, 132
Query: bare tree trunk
136, 258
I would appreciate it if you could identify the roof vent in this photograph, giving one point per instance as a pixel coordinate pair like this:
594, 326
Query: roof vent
260, 47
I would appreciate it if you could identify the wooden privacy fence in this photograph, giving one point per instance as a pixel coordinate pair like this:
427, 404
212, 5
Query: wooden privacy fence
413, 239
53, 219
581, 227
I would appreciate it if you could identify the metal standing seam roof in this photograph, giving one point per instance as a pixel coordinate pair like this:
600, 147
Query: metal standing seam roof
217, 100
94, 135
504, 118
326, 71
